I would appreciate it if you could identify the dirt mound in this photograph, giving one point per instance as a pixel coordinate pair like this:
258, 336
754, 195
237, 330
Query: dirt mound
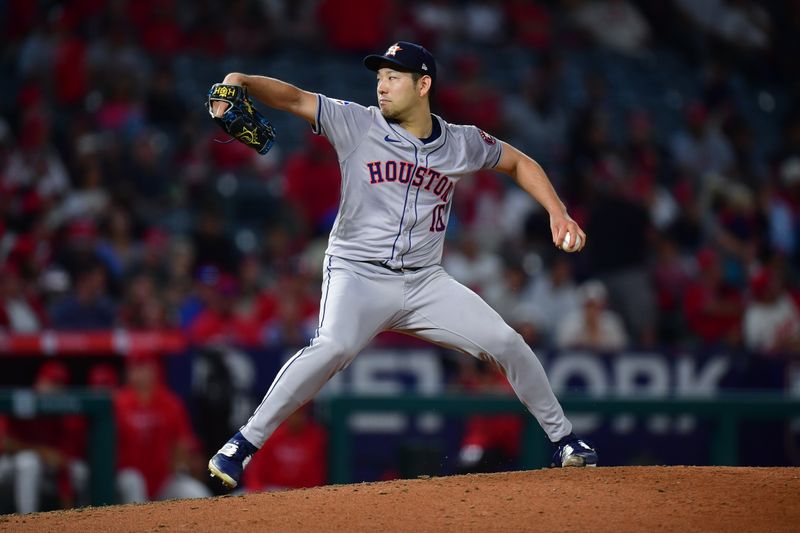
594, 499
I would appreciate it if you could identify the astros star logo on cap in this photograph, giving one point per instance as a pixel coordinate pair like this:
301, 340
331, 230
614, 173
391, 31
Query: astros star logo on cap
392, 50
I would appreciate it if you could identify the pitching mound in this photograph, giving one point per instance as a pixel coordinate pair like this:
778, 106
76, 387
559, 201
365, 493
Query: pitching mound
595, 499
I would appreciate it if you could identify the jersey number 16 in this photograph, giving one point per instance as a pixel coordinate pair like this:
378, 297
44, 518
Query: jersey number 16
437, 221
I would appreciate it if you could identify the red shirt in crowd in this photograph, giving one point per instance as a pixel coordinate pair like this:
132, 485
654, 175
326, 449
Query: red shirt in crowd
65, 435
713, 314
496, 432
356, 25
213, 325
492, 432
148, 433
291, 458
312, 182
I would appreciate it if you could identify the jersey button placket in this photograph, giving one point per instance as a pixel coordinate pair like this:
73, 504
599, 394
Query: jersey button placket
409, 224
405, 236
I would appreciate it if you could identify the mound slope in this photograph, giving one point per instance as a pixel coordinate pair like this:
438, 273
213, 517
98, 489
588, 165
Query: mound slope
597, 499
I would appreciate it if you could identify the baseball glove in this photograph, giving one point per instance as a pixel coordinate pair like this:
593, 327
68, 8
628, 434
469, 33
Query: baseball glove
241, 120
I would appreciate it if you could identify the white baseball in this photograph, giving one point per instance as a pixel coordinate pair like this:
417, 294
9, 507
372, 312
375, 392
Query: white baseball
565, 244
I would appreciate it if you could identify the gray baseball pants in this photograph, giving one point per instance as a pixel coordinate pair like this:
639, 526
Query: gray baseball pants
361, 299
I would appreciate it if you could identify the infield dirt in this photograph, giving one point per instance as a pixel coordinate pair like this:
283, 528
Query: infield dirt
592, 499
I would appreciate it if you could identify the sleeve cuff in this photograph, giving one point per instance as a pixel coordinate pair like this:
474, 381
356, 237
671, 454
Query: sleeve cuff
499, 155
316, 128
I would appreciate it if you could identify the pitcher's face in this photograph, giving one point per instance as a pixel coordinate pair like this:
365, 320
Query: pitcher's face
397, 93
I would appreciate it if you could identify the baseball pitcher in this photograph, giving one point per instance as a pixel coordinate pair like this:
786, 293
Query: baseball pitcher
382, 270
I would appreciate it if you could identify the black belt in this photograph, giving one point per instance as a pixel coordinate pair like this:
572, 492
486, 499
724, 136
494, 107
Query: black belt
387, 267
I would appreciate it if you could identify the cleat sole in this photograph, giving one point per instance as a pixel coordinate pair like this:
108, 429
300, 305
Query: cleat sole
577, 461
574, 460
224, 478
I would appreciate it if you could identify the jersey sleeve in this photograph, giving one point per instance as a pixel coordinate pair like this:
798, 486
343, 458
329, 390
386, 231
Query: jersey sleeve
344, 123
482, 149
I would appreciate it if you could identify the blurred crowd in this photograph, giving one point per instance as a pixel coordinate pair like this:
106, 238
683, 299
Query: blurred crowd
119, 209
160, 452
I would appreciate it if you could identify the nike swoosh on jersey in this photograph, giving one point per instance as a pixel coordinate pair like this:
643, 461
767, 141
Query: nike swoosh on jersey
390, 140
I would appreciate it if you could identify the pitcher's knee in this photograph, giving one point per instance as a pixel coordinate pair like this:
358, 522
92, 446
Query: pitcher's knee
508, 344
338, 352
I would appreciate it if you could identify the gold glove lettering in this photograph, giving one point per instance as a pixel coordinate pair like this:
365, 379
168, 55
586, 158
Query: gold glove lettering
247, 136
224, 92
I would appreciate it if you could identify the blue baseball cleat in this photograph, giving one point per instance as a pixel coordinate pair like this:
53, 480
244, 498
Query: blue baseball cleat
229, 462
572, 451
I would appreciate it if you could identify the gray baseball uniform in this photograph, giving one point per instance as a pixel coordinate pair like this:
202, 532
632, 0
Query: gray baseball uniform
382, 266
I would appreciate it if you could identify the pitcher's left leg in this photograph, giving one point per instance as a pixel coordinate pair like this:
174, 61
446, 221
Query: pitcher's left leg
441, 310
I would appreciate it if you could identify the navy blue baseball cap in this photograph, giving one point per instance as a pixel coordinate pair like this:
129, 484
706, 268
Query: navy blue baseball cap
407, 56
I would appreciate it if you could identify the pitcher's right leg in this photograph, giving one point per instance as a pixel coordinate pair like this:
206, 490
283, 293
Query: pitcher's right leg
357, 303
